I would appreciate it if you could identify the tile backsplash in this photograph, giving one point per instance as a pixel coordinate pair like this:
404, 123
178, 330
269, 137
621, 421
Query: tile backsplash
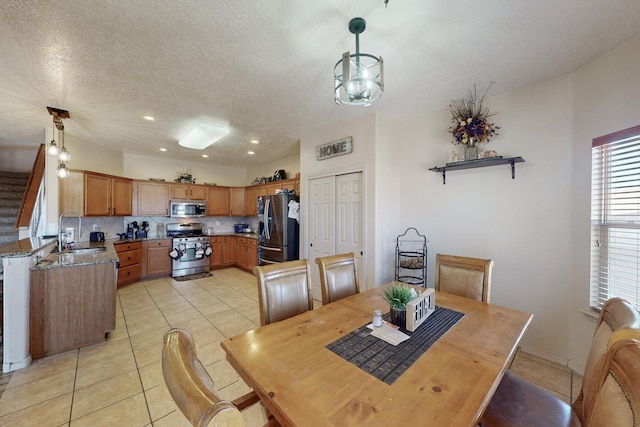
114, 225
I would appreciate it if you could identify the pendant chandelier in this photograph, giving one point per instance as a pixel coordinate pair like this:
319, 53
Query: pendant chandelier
358, 78
62, 153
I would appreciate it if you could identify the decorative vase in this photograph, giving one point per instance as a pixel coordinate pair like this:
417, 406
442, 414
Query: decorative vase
471, 150
398, 317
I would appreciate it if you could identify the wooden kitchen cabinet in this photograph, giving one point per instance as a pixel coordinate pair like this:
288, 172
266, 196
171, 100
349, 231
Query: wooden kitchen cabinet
130, 256
271, 188
236, 201
217, 201
151, 198
217, 254
95, 194
155, 258
229, 256
71, 307
246, 251
260, 191
250, 202
188, 191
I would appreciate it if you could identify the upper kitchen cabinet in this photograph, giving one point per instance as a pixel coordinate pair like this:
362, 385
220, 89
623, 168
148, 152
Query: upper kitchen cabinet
188, 191
95, 194
151, 198
236, 201
218, 201
250, 202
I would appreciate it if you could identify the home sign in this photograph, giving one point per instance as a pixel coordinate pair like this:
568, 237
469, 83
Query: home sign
335, 148
419, 308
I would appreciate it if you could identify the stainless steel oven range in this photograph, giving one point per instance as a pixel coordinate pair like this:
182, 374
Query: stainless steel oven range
190, 249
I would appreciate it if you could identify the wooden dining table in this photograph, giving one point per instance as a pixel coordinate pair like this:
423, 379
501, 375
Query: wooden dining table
302, 383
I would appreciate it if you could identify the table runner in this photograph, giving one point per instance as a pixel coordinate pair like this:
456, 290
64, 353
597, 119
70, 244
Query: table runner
385, 361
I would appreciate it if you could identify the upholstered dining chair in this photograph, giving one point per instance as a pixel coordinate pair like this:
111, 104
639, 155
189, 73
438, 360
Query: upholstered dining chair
192, 388
338, 276
466, 277
610, 394
284, 290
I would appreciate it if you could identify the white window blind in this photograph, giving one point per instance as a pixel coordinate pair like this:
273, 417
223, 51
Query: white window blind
615, 217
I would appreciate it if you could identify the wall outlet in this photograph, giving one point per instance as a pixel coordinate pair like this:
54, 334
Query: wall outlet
95, 227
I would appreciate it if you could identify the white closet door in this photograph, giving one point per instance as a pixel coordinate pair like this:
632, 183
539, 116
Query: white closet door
322, 203
349, 222
335, 221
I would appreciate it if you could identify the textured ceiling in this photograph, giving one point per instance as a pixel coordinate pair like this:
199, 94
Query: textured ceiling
265, 68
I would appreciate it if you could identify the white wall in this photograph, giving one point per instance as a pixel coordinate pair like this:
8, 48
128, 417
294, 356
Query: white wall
18, 159
143, 167
522, 224
361, 159
93, 157
606, 98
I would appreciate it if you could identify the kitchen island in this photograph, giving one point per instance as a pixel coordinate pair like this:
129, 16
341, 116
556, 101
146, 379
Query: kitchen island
72, 299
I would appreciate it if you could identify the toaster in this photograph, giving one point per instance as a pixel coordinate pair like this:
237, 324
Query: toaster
96, 236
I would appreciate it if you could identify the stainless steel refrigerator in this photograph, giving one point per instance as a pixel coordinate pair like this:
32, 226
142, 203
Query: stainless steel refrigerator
278, 239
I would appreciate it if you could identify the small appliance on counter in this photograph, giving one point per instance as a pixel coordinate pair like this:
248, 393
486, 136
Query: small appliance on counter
241, 228
96, 236
144, 230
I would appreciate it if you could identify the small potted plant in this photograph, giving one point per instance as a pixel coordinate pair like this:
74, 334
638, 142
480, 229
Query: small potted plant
185, 176
398, 295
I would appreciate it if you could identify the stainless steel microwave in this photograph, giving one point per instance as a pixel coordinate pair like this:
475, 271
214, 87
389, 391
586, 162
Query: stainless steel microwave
188, 208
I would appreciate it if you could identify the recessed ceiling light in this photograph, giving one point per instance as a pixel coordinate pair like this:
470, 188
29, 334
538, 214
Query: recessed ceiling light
255, 141
206, 156
163, 149
149, 118
250, 152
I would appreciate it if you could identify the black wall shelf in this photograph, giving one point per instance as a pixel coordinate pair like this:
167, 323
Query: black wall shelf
480, 163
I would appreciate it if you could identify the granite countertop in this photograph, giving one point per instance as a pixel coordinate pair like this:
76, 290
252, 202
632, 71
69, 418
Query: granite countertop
70, 259
26, 247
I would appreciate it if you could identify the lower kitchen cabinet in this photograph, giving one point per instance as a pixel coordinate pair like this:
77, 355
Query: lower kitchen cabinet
217, 254
229, 256
155, 258
71, 307
130, 256
246, 253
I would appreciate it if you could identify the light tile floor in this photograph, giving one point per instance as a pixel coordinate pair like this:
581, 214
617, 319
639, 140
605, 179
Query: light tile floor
119, 382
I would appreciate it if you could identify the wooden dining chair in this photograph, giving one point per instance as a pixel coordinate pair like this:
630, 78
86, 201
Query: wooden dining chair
602, 401
284, 290
338, 276
192, 388
466, 277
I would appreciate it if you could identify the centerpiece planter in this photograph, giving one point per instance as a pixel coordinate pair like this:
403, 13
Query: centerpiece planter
398, 295
398, 316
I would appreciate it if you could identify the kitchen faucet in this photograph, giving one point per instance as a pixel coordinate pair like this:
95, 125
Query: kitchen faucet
61, 233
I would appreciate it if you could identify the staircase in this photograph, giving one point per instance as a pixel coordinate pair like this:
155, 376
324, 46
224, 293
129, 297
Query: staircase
12, 186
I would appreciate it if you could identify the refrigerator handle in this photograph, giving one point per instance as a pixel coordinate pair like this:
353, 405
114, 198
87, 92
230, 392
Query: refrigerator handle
267, 215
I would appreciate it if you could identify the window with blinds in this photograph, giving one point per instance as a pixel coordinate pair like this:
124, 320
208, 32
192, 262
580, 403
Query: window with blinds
615, 217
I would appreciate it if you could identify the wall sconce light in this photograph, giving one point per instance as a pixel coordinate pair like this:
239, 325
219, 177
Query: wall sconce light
358, 78
203, 135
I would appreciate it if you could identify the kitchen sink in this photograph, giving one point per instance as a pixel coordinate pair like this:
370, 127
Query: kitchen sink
83, 251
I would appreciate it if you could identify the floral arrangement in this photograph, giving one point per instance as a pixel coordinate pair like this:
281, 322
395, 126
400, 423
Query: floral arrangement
470, 119
185, 176
399, 295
